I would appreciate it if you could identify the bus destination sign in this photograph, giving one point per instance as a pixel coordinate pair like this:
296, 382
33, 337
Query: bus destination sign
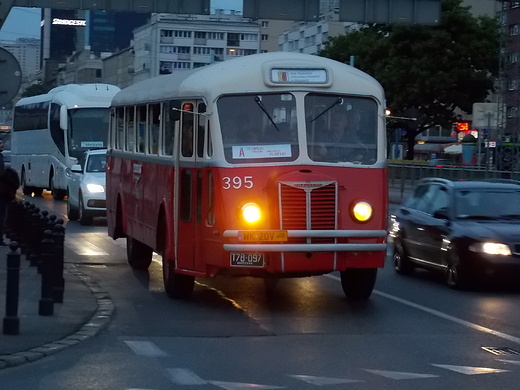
298, 76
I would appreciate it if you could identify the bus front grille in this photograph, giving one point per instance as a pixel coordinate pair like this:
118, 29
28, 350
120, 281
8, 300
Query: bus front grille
309, 208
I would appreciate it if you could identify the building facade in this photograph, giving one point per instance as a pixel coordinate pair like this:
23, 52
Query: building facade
27, 52
171, 42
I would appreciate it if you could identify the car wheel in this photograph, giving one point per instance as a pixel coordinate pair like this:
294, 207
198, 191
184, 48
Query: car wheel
84, 218
72, 213
455, 275
138, 254
358, 283
402, 264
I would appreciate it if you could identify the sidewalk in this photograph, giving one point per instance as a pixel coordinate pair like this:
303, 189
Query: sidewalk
85, 311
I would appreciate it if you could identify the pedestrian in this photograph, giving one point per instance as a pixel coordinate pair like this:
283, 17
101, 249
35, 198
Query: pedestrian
9, 184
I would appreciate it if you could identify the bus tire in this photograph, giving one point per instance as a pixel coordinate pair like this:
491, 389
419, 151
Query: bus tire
138, 254
37, 191
177, 286
83, 216
27, 190
56, 193
358, 283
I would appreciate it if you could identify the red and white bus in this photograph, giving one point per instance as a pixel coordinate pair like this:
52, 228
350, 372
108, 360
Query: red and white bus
232, 169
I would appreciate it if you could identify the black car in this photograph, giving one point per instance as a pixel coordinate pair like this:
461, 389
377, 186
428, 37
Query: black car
465, 229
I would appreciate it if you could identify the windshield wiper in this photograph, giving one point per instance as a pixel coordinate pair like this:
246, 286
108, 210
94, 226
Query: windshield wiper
261, 105
338, 101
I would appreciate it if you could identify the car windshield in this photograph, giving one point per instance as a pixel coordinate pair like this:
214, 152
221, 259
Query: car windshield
488, 204
96, 163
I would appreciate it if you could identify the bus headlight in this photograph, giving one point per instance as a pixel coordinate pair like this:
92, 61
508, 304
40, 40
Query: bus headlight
94, 188
251, 212
362, 211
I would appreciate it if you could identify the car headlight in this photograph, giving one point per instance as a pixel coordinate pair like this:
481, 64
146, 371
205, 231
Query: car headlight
491, 248
251, 212
362, 211
95, 188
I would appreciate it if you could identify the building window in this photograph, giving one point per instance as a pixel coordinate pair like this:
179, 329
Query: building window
233, 39
265, 23
215, 35
513, 29
265, 37
249, 37
512, 85
200, 34
512, 112
166, 33
182, 34
513, 58
515, 4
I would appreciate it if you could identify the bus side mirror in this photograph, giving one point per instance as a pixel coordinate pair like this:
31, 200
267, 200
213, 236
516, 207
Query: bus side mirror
175, 110
64, 122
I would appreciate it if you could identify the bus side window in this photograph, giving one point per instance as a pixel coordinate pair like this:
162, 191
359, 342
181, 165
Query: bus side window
154, 119
201, 120
120, 129
168, 135
187, 130
130, 129
56, 131
141, 129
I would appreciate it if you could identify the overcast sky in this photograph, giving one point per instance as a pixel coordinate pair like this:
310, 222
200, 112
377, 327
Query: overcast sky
25, 22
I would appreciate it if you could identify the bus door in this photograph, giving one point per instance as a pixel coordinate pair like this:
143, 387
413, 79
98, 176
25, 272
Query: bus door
189, 213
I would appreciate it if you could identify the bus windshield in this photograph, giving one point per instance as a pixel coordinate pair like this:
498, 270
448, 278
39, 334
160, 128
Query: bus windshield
259, 127
341, 128
88, 129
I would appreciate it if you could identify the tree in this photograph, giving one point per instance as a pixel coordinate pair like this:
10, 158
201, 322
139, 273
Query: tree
34, 89
429, 70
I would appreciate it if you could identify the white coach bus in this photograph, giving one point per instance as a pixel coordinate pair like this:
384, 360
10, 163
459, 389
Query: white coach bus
51, 131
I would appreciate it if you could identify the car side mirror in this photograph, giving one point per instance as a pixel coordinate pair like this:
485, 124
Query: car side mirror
76, 168
441, 214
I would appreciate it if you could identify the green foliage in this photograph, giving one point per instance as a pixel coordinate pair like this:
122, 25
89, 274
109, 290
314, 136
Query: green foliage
427, 71
33, 90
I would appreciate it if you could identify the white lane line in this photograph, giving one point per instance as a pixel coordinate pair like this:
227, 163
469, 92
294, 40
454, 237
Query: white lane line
517, 362
466, 370
146, 348
184, 376
242, 386
401, 375
437, 313
322, 381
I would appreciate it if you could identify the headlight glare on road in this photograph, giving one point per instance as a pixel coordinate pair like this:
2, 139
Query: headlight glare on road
491, 248
95, 188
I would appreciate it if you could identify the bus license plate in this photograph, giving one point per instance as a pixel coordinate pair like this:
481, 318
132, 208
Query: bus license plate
262, 235
247, 259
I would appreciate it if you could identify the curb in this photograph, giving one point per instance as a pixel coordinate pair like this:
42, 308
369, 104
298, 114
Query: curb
96, 324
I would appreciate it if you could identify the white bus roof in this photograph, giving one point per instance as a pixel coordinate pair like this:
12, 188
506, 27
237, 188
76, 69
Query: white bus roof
249, 74
76, 96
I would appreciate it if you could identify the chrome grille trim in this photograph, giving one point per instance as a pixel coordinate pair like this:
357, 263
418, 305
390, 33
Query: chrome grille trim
321, 233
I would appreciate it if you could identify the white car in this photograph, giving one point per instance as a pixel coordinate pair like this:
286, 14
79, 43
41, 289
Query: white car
86, 196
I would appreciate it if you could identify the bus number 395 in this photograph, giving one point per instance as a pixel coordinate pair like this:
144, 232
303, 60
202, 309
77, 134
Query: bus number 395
237, 182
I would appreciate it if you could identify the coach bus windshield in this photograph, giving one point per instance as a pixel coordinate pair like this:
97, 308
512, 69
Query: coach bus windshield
341, 128
259, 127
88, 129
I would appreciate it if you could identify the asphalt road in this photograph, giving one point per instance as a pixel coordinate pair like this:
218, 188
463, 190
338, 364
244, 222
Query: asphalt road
414, 332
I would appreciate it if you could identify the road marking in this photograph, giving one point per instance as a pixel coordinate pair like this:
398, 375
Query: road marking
184, 376
466, 370
322, 381
443, 315
146, 348
84, 248
517, 362
242, 386
401, 375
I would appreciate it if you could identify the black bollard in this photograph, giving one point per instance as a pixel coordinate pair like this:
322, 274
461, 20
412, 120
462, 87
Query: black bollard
11, 319
12, 216
34, 239
23, 228
46, 307
58, 287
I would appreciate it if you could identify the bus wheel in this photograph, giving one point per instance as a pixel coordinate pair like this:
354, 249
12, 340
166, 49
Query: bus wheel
25, 188
37, 191
177, 286
56, 193
138, 254
358, 283
84, 218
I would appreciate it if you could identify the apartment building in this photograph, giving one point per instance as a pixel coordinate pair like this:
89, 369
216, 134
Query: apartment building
171, 42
